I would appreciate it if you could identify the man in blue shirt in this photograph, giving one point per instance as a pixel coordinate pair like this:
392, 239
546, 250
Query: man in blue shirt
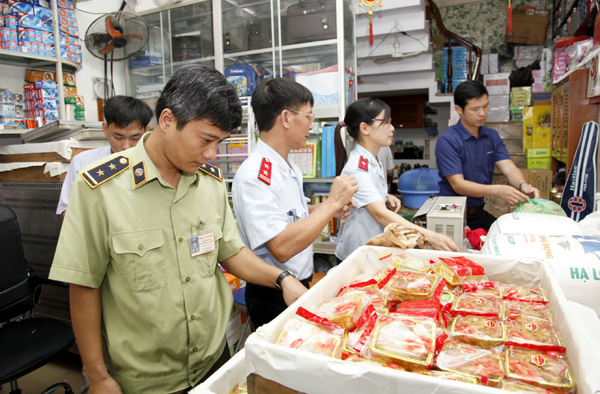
466, 154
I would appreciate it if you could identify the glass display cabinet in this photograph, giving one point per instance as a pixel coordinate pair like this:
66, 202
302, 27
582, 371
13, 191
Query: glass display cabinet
309, 41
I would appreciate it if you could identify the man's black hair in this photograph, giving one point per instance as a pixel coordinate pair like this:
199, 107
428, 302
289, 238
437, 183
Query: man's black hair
197, 92
275, 95
124, 111
468, 90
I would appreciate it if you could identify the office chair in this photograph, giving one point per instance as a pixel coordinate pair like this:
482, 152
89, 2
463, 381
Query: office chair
26, 344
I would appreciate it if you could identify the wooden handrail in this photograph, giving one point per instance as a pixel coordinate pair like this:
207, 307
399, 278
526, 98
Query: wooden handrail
473, 71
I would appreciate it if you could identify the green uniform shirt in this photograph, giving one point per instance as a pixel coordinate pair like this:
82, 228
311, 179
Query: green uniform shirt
164, 312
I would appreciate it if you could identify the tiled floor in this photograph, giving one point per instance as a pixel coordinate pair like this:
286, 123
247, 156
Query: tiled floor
67, 369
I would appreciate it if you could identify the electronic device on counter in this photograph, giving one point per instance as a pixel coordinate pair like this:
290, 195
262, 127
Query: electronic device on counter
444, 215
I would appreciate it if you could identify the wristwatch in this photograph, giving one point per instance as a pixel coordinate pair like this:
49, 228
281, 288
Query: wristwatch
521, 186
280, 278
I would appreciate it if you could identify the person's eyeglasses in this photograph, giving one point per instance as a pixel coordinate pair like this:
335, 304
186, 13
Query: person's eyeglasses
310, 117
383, 121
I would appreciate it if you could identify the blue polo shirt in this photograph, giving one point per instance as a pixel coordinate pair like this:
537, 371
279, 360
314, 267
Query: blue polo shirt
459, 152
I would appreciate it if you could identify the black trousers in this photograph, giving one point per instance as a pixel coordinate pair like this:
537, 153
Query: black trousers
479, 218
265, 303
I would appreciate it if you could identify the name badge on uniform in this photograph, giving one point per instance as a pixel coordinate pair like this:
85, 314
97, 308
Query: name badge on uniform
202, 244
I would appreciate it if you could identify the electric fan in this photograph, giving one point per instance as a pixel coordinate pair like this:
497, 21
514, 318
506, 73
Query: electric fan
114, 37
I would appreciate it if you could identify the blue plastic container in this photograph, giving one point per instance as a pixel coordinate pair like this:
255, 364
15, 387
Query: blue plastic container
417, 186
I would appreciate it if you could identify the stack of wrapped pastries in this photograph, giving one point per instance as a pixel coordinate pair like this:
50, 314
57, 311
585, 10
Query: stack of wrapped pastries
441, 318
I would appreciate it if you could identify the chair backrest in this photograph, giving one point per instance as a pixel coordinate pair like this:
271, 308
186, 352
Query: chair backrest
16, 293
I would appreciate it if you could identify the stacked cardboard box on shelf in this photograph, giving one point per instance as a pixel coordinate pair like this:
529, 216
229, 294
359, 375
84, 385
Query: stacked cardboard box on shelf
40, 162
519, 97
498, 87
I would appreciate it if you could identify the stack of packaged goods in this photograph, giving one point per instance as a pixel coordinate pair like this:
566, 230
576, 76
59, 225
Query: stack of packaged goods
41, 101
70, 48
74, 107
27, 27
458, 60
11, 107
519, 97
443, 318
490, 64
498, 87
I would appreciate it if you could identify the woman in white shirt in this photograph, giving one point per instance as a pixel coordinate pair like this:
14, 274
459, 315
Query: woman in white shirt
369, 122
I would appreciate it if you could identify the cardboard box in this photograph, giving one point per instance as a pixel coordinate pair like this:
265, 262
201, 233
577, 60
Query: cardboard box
528, 26
520, 96
516, 114
497, 83
314, 373
542, 180
539, 163
537, 131
538, 152
542, 98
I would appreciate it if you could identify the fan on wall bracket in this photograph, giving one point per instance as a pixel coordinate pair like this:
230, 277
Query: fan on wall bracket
117, 36
114, 37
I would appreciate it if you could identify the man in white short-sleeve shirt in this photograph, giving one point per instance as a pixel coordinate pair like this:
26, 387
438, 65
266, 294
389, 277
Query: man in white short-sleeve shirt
126, 119
273, 217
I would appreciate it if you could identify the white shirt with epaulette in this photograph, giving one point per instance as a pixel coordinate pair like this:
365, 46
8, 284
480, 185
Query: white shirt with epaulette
267, 196
372, 186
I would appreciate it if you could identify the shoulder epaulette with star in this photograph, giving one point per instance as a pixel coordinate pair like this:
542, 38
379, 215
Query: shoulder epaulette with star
103, 172
264, 174
213, 171
363, 163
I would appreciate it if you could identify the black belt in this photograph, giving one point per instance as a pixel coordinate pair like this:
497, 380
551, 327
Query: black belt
473, 211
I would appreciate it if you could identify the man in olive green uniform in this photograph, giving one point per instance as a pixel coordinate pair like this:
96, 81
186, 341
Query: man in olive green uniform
140, 244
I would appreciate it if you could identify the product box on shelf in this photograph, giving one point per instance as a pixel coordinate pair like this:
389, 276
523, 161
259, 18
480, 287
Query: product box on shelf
536, 127
497, 83
528, 26
313, 373
540, 163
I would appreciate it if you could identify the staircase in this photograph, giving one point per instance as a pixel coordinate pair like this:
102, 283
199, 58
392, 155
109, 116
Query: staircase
400, 62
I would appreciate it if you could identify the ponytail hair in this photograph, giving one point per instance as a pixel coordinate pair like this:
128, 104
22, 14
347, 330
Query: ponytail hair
340, 151
362, 110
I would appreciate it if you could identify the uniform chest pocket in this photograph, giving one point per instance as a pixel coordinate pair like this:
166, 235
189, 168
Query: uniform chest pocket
139, 256
207, 262
295, 213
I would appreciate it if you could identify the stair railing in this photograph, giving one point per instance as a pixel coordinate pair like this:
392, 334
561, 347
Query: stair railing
472, 69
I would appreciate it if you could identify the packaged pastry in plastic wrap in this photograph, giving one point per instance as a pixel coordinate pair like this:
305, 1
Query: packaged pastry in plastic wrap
342, 310
377, 298
529, 294
485, 364
476, 304
459, 377
489, 287
425, 308
480, 331
522, 387
359, 358
312, 333
404, 262
533, 334
548, 370
458, 269
527, 310
408, 340
411, 286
